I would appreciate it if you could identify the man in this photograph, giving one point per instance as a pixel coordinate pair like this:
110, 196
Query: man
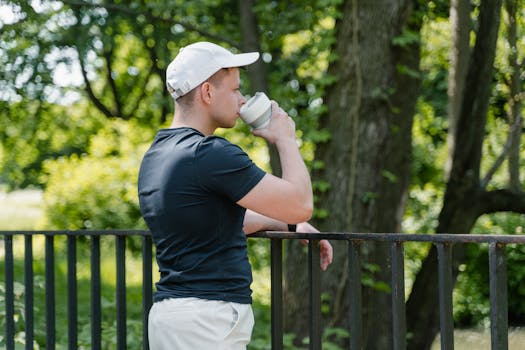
200, 195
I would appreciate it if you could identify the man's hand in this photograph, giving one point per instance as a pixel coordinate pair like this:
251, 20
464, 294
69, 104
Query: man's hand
327, 254
325, 248
280, 129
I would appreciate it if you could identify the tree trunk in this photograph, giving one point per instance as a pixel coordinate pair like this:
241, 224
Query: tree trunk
514, 115
257, 73
367, 159
462, 203
459, 56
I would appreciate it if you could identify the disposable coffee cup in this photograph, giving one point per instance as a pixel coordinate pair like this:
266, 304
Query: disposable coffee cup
256, 111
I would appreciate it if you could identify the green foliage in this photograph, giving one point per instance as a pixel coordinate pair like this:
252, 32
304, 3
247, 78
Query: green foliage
471, 296
332, 337
434, 65
98, 190
19, 312
390, 176
429, 132
123, 50
407, 37
28, 140
108, 321
62, 128
368, 278
472, 292
428, 159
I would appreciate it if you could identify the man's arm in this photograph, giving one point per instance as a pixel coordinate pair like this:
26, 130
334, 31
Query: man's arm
276, 202
254, 222
288, 199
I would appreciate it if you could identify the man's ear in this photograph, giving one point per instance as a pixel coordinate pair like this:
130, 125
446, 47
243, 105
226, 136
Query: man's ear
205, 90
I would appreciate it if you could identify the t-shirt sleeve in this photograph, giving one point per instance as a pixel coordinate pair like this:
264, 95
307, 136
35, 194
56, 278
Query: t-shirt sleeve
225, 168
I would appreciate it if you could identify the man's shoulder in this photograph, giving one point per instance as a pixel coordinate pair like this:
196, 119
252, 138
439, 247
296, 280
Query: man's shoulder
218, 144
177, 133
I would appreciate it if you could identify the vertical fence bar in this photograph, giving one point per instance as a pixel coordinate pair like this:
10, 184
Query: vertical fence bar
314, 277
398, 295
445, 295
356, 328
276, 248
96, 316
72, 311
9, 293
121, 291
50, 293
147, 289
498, 297
29, 291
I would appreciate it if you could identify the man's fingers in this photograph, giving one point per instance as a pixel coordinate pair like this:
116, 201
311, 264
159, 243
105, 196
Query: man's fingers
326, 254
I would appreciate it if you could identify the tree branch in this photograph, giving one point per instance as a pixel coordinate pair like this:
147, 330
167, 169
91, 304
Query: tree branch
503, 154
89, 90
155, 68
143, 91
459, 57
514, 84
514, 150
502, 200
111, 81
133, 14
471, 124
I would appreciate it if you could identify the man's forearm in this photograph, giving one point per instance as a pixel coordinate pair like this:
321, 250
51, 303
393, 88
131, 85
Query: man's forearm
294, 170
254, 222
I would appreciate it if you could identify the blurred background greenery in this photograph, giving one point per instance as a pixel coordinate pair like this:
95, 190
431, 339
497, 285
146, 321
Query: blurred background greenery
82, 95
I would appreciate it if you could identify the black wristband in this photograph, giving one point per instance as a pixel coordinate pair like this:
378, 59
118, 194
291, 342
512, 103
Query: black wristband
292, 227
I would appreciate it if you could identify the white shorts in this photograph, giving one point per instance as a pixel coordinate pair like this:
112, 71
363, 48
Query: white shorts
199, 324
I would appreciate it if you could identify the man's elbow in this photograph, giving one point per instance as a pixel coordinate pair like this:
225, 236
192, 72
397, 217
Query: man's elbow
303, 213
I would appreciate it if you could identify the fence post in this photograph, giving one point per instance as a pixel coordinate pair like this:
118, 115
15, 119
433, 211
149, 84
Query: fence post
354, 281
498, 296
50, 293
147, 292
445, 295
96, 314
29, 291
314, 276
277, 292
72, 310
398, 295
120, 248
9, 293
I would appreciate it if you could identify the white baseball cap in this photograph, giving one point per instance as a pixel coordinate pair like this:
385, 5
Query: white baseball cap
197, 62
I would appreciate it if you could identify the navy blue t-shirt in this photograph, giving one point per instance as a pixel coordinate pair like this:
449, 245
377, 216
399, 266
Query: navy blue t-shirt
188, 188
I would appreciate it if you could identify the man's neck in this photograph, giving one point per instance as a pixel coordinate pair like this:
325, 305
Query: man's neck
193, 120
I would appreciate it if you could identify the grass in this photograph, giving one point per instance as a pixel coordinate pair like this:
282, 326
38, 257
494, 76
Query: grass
133, 294
20, 210
479, 339
261, 333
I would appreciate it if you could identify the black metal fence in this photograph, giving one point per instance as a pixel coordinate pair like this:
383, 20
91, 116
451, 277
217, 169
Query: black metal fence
444, 242
72, 301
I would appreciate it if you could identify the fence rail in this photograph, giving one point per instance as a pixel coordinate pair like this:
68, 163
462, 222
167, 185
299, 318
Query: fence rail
497, 271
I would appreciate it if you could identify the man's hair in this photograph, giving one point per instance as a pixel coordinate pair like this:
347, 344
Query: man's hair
186, 101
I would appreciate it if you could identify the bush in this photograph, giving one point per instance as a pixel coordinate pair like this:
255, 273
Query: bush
98, 190
472, 293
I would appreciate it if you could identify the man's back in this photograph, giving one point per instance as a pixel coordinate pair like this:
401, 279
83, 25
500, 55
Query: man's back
188, 187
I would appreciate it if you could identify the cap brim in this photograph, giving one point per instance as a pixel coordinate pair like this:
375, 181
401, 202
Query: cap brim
242, 59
